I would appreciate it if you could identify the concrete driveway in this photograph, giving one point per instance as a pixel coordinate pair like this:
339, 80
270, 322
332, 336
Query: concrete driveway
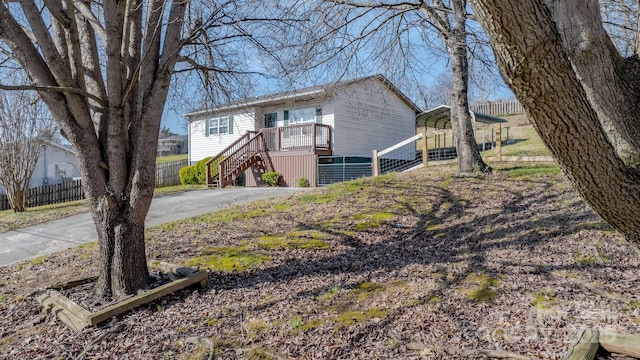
76, 230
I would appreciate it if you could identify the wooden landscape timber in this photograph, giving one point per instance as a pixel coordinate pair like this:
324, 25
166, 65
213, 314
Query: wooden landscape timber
589, 341
78, 318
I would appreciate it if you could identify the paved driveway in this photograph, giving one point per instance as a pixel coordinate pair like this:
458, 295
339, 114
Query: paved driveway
76, 230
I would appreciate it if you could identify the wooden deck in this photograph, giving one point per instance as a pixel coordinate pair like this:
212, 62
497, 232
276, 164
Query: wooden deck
254, 149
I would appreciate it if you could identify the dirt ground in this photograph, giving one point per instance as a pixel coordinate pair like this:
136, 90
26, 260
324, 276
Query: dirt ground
417, 265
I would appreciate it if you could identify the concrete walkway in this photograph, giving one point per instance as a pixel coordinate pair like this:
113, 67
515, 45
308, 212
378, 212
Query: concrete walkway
76, 230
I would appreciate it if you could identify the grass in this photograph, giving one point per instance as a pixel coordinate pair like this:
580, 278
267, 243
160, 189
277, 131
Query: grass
166, 159
530, 171
10, 220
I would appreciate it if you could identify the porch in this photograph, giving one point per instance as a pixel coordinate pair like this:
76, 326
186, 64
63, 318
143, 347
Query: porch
255, 150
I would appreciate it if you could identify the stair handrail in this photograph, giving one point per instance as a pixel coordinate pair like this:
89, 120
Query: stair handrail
230, 163
211, 166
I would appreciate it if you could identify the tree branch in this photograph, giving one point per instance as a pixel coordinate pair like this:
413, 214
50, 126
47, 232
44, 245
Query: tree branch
59, 89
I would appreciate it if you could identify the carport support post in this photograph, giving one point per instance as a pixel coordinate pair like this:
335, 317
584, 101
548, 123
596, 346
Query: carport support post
499, 142
425, 149
375, 163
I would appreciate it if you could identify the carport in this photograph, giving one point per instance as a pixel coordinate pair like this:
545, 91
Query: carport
439, 119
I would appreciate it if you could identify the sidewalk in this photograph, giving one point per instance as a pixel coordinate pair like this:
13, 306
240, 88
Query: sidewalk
44, 239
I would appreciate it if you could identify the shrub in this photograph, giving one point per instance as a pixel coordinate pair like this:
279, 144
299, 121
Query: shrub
270, 178
303, 182
195, 174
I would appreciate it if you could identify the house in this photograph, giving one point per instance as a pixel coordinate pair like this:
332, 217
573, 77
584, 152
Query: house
290, 132
172, 145
56, 164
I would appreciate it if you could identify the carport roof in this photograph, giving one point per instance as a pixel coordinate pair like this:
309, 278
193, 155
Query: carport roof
440, 118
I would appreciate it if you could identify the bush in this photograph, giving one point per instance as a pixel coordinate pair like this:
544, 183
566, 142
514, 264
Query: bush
195, 174
270, 178
303, 182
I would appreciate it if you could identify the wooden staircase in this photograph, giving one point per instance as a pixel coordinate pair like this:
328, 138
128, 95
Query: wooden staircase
224, 168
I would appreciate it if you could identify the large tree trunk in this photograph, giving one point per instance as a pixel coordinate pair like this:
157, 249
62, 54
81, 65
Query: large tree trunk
108, 100
569, 80
469, 159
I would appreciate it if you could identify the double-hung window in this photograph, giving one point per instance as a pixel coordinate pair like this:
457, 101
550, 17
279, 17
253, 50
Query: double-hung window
218, 126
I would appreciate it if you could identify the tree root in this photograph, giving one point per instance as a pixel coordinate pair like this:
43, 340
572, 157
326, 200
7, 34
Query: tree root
497, 354
114, 329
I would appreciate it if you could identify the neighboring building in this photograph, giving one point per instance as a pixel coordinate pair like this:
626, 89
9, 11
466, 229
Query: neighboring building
173, 145
56, 164
288, 132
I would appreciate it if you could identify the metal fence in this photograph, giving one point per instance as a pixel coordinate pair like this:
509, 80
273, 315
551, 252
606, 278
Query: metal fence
334, 169
168, 174
49, 194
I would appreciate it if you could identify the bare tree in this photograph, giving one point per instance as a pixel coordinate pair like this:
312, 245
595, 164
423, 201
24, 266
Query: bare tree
25, 129
395, 35
104, 69
581, 94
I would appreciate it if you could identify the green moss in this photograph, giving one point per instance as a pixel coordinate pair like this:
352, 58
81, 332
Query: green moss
211, 322
294, 240
366, 289
38, 260
260, 354
257, 327
484, 292
368, 221
282, 207
328, 296
4, 297
632, 305
228, 259
543, 301
351, 317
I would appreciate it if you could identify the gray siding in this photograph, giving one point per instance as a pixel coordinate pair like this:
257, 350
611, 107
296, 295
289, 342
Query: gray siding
370, 116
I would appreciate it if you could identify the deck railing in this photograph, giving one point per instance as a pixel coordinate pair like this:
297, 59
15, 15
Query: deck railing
298, 137
237, 156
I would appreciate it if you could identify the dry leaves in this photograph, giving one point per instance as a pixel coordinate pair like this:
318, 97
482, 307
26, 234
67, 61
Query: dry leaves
499, 264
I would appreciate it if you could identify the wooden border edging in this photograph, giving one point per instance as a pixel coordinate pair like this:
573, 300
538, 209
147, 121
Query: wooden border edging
584, 347
621, 343
588, 341
78, 318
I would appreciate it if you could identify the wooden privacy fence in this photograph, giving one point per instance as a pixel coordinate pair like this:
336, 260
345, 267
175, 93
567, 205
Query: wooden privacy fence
49, 194
168, 174
498, 108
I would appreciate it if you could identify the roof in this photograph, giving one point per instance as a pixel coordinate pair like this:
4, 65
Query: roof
440, 118
69, 149
300, 95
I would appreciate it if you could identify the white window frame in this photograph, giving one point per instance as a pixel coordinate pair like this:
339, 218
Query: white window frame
219, 126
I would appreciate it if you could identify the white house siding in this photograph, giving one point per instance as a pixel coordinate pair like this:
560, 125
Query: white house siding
54, 166
202, 146
368, 116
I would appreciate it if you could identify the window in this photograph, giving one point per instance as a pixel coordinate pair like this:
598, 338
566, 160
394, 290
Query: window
304, 115
219, 126
270, 120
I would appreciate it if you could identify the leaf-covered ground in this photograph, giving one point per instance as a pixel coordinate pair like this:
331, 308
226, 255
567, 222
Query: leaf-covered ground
396, 267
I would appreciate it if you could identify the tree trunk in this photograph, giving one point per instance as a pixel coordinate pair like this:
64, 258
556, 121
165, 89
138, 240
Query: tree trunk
570, 118
17, 200
469, 159
123, 266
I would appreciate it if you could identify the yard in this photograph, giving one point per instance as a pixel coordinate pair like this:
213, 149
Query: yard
396, 267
